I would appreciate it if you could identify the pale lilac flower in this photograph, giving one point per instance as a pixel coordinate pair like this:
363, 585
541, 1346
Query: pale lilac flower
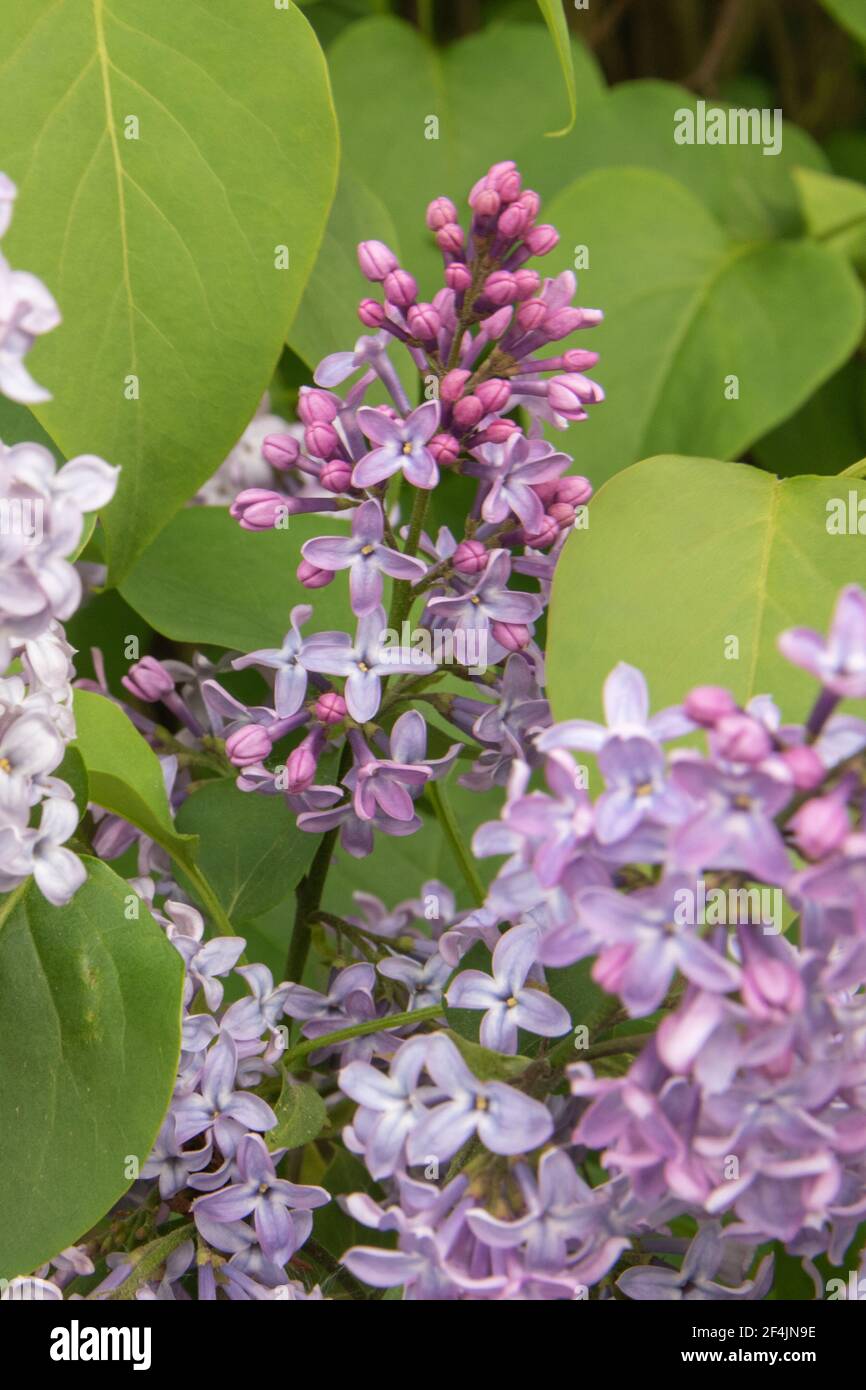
288, 661
365, 662
220, 1107
489, 600
365, 557
508, 1004
626, 709
402, 445
839, 660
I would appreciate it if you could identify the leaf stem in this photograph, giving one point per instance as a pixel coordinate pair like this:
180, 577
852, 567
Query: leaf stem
359, 1030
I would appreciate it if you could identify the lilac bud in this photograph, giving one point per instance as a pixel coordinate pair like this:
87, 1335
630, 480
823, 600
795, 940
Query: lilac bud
330, 708
741, 739
322, 441
506, 182
248, 746
805, 767
336, 475
371, 313
452, 384
527, 282
514, 222
498, 431
546, 492
281, 450
450, 239
439, 212
562, 513
457, 277
301, 762
562, 322
500, 287
530, 202
400, 288
470, 557
148, 680
821, 825
312, 577
494, 395
487, 203
578, 359
531, 315
544, 536
568, 394
575, 490
317, 407
512, 636
424, 322
467, 412
257, 509
497, 324
376, 260
707, 704
445, 449
542, 239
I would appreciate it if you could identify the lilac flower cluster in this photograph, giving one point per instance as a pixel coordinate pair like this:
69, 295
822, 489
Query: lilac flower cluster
41, 525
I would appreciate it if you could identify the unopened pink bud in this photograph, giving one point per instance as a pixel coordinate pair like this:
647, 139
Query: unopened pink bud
546, 492
470, 557
281, 450
507, 184
317, 407
371, 313
336, 475
512, 636
530, 202
575, 490
458, 278
330, 708
541, 240
805, 767
513, 222
707, 704
495, 325
424, 322
445, 449
400, 288
562, 513
579, 360
248, 746
301, 767
487, 203
376, 260
531, 315
440, 212
148, 680
450, 239
452, 384
527, 282
741, 739
544, 536
468, 411
494, 395
562, 322
821, 826
322, 441
257, 509
312, 577
500, 287
569, 394
498, 430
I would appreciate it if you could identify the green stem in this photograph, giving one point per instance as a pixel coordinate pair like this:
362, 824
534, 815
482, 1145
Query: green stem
308, 896
401, 601
150, 1259
206, 894
446, 819
359, 1030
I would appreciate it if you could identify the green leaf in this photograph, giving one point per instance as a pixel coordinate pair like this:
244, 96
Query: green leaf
834, 211
691, 318
74, 773
391, 142
851, 14
160, 240
335, 1229
250, 848
486, 1064
124, 772
573, 987
554, 18
90, 1004
205, 580
681, 556
827, 434
301, 1116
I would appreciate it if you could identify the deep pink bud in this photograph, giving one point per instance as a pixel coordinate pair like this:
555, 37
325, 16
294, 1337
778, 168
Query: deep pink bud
312, 577
569, 394
805, 766
741, 739
578, 359
562, 322
330, 708
400, 288
248, 745
707, 704
496, 324
376, 260
336, 475
371, 313
450, 238
317, 407
424, 322
457, 277
541, 240
527, 282
257, 509
821, 825
562, 513
468, 411
506, 181
470, 557
530, 202
322, 441
575, 490
439, 212
546, 492
451, 385
281, 450
531, 315
498, 430
512, 636
544, 536
500, 287
494, 395
513, 222
301, 763
148, 680
445, 449
487, 203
